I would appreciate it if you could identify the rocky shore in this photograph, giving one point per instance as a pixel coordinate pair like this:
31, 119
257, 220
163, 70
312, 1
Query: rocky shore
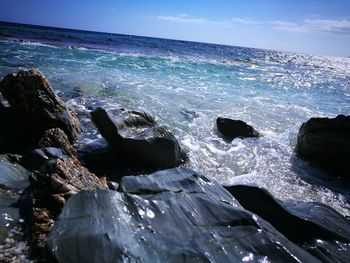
128, 198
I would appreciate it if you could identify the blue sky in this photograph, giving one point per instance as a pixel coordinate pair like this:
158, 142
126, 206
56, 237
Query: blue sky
307, 26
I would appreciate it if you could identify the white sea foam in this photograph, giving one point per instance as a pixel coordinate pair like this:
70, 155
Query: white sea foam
275, 93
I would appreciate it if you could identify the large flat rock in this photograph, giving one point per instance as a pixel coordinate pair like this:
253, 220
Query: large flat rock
175, 215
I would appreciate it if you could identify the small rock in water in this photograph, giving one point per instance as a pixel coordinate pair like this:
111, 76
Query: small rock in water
231, 129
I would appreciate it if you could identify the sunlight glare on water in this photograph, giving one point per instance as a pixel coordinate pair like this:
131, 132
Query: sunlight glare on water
186, 86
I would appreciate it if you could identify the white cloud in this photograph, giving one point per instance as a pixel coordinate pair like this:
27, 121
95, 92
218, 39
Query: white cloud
246, 21
183, 18
329, 26
309, 25
289, 26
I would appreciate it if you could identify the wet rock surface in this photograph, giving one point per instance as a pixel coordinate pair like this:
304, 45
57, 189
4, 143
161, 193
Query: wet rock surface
174, 215
318, 228
136, 138
13, 180
326, 142
58, 139
55, 178
231, 129
33, 108
13, 176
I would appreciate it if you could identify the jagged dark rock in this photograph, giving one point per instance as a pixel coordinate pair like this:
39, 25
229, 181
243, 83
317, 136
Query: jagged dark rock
231, 129
314, 226
57, 138
54, 179
33, 109
174, 215
326, 142
136, 138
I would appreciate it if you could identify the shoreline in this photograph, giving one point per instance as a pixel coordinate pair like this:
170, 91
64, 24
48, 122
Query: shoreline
143, 157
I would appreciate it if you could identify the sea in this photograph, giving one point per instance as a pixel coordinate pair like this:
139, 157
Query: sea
186, 86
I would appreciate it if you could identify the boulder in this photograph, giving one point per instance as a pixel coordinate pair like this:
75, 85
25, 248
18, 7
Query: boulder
174, 215
34, 107
326, 142
314, 226
55, 178
100, 158
231, 129
136, 138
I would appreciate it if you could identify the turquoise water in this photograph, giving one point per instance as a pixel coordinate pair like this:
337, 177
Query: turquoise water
186, 85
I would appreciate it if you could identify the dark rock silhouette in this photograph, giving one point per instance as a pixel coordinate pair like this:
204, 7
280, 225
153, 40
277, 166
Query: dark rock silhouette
326, 142
33, 109
314, 226
231, 129
136, 138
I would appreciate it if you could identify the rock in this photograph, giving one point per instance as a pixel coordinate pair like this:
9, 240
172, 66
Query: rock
59, 176
100, 158
326, 142
137, 139
231, 129
12, 175
34, 107
97, 156
55, 178
9, 215
57, 138
314, 226
13, 180
174, 215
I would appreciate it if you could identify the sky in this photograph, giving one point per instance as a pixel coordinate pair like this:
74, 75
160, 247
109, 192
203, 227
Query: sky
305, 26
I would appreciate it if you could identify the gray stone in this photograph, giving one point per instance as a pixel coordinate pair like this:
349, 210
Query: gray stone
138, 140
314, 226
170, 216
12, 175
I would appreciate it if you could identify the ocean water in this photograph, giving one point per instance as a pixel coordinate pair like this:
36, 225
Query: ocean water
186, 86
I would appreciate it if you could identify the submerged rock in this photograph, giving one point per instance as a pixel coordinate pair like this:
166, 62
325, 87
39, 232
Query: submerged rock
174, 215
326, 141
316, 227
231, 129
34, 108
136, 138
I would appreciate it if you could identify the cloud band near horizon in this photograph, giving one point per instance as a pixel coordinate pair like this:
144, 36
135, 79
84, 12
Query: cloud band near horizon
330, 26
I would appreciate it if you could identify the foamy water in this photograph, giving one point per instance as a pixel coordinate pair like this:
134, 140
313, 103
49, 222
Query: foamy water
186, 86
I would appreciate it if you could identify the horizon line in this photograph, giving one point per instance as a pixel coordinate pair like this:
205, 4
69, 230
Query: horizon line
163, 38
